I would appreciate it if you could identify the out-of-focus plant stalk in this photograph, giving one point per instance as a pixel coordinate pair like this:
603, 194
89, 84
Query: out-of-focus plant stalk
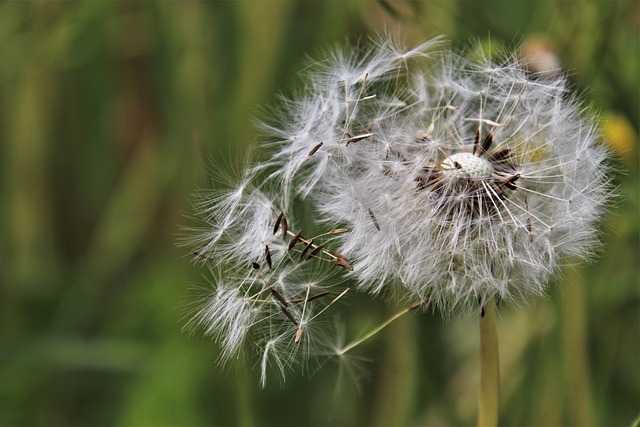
489, 367
245, 404
576, 358
398, 383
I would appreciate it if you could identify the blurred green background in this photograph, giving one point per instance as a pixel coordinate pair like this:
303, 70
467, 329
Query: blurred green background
112, 113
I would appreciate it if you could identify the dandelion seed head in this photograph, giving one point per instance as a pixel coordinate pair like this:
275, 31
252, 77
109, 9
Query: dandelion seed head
459, 180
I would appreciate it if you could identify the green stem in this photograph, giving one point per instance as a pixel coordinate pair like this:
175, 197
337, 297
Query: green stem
576, 358
379, 328
244, 400
489, 367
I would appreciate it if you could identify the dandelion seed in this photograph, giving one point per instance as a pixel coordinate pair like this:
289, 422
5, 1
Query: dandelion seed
311, 298
335, 254
342, 262
289, 315
315, 252
314, 149
357, 138
279, 297
294, 240
267, 255
339, 231
308, 246
374, 219
284, 226
278, 222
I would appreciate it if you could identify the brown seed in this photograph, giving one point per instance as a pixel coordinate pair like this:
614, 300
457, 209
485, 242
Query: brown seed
339, 231
289, 316
279, 297
510, 182
314, 149
342, 262
486, 144
285, 227
476, 144
529, 226
311, 298
267, 254
374, 219
306, 249
357, 138
298, 335
335, 254
294, 240
278, 221
315, 251
316, 296
501, 155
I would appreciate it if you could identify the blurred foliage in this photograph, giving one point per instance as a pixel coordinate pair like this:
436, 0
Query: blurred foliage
113, 112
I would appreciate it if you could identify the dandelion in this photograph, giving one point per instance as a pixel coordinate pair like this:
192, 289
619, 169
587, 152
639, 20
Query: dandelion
447, 182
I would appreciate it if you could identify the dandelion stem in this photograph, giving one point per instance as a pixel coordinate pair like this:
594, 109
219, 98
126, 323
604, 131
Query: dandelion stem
574, 313
489, 367
379, 328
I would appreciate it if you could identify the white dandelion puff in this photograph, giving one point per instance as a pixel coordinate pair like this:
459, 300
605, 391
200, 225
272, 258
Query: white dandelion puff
451, 180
